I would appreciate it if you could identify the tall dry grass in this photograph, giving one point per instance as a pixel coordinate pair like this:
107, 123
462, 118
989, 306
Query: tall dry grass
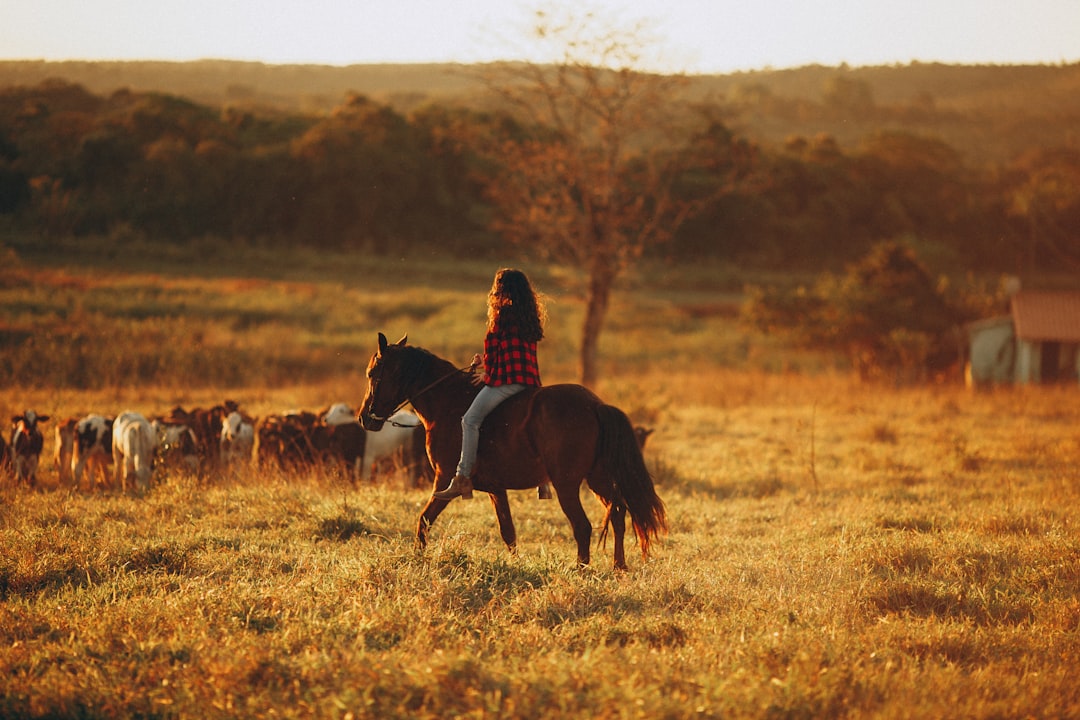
835, 550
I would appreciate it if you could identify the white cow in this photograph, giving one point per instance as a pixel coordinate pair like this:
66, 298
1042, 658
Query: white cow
339, 414
399, 434
237, 438
134, 441
93, 445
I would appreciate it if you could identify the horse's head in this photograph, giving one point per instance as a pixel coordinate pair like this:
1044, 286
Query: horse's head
386, 384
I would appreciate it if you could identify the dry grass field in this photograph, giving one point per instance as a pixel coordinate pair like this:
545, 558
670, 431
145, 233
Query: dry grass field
835, 549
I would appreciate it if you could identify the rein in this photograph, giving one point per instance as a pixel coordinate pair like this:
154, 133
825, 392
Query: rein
418, 393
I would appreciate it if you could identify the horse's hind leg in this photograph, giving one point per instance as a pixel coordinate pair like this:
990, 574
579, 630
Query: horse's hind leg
501, 504
617, 518
570, 501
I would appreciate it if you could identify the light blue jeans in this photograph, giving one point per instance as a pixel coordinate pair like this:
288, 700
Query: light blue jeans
485, 401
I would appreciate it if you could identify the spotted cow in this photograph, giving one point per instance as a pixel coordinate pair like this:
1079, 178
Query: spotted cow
25, 446
206, 424
237, 438
93, 449
177, 447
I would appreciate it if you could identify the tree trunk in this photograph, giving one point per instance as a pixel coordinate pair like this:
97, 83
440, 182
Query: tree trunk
601, 279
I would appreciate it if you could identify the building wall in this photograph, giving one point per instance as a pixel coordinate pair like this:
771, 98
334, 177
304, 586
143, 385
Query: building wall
997, 356
1028, 360
993, 354
1068, 361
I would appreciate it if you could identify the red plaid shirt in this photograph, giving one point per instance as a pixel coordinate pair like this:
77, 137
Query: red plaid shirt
509, 360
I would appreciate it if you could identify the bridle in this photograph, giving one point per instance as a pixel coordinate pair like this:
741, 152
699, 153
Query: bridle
408, 399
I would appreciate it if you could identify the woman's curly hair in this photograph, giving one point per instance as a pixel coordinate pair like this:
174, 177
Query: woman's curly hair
513, 305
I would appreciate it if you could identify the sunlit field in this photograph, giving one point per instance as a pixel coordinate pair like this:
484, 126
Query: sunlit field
836, 549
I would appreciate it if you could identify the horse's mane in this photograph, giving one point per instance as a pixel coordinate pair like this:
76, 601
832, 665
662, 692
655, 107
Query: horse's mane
417, 360
418, 357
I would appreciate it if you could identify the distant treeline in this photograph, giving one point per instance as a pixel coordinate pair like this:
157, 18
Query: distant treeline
855, 162
990, 113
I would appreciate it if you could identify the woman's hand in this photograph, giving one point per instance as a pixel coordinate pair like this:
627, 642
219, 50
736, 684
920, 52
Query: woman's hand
478, 378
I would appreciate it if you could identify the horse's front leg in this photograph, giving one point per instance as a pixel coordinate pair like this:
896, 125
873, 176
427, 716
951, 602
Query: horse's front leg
433, 508
427, 518
501, 503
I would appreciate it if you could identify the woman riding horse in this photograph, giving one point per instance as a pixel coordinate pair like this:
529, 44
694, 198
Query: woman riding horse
559, 433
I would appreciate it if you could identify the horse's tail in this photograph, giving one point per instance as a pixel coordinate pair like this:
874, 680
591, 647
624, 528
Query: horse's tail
619, 456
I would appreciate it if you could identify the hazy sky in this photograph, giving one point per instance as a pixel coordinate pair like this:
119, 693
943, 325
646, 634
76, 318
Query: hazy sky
692, 35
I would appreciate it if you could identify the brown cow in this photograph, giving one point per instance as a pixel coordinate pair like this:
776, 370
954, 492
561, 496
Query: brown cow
303, 439
346, 446
64, 448
290, 440
641, 434
206, 424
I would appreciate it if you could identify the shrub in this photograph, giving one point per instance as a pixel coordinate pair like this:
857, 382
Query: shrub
885, 314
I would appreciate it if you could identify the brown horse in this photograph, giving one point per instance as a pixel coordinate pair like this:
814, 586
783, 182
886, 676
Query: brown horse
559, 433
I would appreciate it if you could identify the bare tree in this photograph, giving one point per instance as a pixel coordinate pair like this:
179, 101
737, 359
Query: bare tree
590, 172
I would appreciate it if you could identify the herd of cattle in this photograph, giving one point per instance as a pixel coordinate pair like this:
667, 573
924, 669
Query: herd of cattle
205, 441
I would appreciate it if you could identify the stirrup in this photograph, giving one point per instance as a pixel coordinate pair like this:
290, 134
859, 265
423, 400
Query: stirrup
459, 485
543, 491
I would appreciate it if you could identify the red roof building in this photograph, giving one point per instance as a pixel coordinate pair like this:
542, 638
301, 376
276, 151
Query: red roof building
1047, 325
1043, 315
1038, 342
